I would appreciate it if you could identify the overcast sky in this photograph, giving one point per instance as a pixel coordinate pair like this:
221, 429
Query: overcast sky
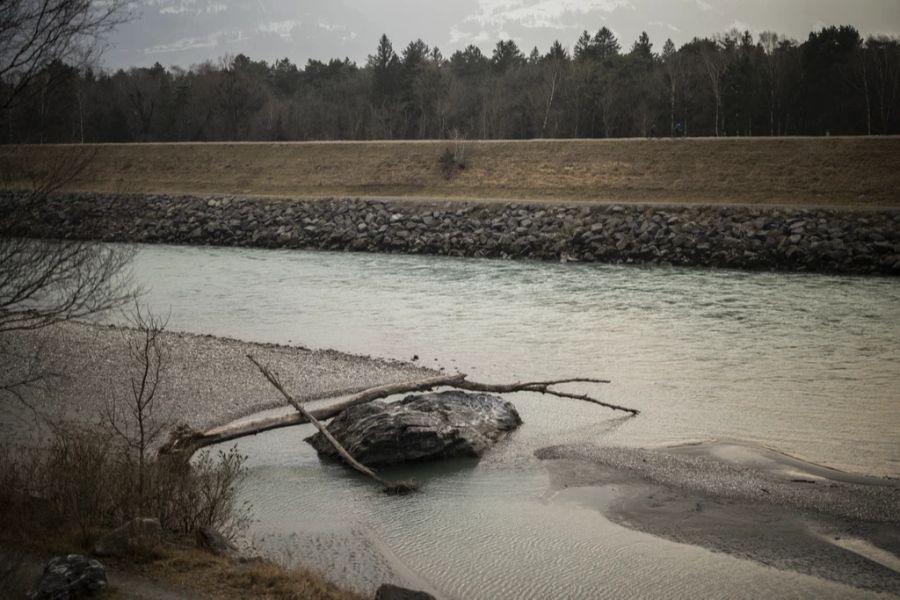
187, 32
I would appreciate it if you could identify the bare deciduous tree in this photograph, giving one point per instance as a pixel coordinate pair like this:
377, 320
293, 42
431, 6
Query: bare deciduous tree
886, 66
714, 64
34, 33
674, 69
134, 418
45, 282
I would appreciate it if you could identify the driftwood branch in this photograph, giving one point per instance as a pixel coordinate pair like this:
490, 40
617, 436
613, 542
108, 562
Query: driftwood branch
394, 487
187, 441
543, 387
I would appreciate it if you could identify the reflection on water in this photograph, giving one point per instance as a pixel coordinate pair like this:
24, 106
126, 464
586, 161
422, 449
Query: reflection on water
807, 364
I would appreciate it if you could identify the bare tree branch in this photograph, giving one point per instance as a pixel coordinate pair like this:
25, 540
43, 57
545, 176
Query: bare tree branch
391, 487
133, 418
187, 441
184, 440
46, 282
34, 33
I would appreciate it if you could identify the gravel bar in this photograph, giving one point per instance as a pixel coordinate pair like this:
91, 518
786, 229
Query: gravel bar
208, 381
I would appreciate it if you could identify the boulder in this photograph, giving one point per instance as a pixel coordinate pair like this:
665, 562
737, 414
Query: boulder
137, 535
69, 577
394, 592
214, 542
420, 427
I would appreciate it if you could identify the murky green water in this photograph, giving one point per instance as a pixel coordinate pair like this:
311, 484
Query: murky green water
807, 364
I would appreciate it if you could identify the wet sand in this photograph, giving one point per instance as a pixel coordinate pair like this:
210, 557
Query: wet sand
745, 501
351, 555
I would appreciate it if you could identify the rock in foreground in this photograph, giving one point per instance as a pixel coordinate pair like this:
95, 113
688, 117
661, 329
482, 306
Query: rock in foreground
393, 592
69, 577
420, 427
135, 536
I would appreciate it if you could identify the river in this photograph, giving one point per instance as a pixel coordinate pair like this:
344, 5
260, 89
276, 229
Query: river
805, 364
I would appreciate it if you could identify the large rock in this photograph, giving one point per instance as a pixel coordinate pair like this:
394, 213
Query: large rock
420, 427
137, 535
394, 592
69, 577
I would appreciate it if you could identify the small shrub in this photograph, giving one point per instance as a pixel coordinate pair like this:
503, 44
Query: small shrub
451, 161
80, 480
454, 158
86, 482
447, 163
201, 494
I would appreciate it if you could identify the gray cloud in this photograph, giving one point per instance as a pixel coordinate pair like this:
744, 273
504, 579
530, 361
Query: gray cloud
666, 26
537, 14
187, 32
189, 43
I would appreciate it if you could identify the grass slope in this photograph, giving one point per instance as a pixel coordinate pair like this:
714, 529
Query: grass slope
789, 171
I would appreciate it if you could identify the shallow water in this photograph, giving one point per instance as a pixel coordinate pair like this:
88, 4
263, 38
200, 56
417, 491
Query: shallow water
806, 364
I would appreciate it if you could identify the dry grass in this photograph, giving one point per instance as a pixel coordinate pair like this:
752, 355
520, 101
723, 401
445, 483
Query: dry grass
216, 577
173, 571
61, 499
787, 171
27, 542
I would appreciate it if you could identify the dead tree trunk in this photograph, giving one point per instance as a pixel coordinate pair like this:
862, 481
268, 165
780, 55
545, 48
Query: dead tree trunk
542, 387
186, 441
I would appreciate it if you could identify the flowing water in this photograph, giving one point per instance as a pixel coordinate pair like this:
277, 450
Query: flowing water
805, 364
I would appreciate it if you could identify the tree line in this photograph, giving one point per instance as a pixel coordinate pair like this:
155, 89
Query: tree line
732, 84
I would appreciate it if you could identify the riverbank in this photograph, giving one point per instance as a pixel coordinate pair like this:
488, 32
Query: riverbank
207, 381
859, 241
802, 172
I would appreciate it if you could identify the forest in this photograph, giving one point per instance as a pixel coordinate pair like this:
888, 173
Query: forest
733, 84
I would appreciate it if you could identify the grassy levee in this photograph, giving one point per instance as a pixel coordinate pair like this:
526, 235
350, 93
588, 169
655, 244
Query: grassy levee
862, 172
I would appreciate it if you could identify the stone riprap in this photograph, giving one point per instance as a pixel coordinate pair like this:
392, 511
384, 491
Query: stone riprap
860, 241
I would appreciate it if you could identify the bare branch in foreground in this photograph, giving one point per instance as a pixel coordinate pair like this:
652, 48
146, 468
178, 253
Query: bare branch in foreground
34, 33
391, 487
47, 282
